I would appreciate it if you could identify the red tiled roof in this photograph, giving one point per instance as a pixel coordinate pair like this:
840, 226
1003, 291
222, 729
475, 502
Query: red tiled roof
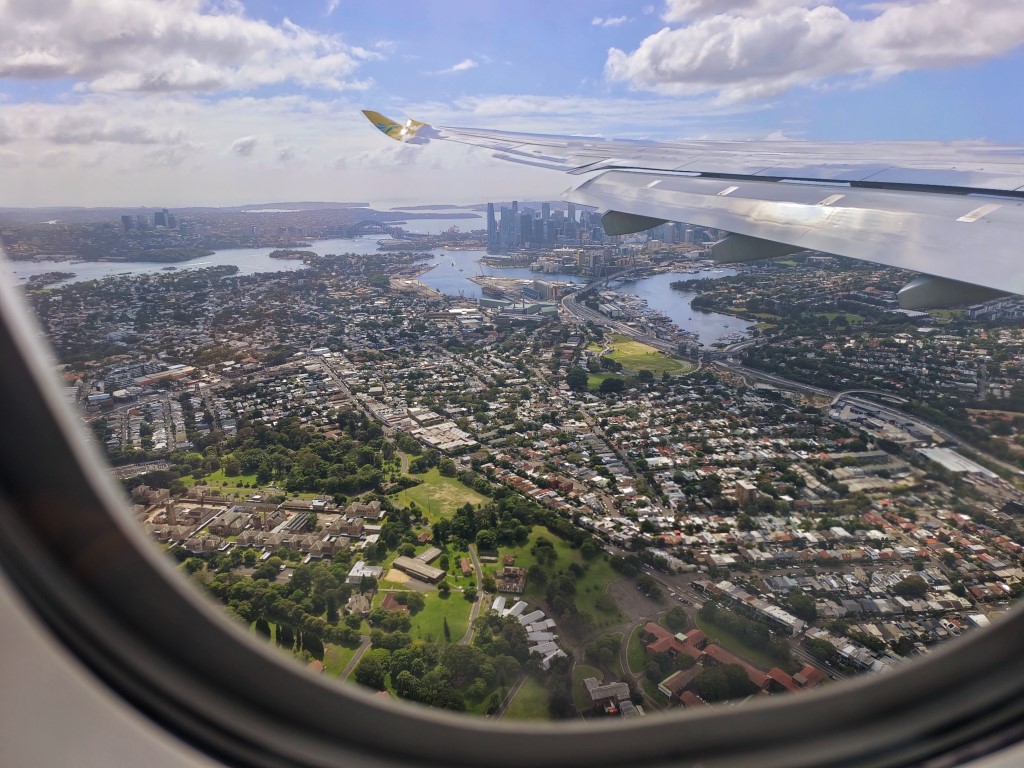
722, 656
691, 699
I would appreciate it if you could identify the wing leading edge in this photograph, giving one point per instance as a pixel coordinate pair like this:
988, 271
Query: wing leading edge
952, 212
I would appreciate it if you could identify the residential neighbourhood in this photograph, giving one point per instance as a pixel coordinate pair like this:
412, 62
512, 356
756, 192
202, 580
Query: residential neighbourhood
375, 475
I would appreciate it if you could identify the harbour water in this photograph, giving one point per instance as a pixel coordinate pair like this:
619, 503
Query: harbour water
250, 261
710, 327
450, 274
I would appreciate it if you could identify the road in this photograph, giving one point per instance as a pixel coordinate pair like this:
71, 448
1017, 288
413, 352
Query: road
849, 396
364, 643
627, 633
478, 603
511, 695
585, 314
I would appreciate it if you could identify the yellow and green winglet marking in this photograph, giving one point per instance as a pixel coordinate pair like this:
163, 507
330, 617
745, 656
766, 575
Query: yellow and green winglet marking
397, 131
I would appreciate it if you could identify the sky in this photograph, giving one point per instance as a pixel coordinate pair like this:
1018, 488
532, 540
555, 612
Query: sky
188, 102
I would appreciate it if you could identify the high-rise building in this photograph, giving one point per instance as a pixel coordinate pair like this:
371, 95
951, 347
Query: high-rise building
526, 229
127, 223
545, 211
492, 230
572, 212
517, 238
506, 230
160, 218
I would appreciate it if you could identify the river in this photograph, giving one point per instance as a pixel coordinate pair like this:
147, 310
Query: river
709, 326
250, 261
450, 274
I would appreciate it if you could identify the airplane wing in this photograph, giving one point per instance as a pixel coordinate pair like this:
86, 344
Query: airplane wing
953, 212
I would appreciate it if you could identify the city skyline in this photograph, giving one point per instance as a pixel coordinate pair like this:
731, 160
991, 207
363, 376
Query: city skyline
189, 103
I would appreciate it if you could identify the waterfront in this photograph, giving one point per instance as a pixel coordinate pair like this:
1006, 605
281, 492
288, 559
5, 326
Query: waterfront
450, 274
250, 261
452, 270
657, 291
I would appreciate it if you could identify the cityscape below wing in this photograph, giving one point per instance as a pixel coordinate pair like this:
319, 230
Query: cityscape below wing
953, 212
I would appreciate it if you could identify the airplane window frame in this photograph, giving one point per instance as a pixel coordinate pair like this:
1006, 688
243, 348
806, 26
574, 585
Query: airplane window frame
69, 545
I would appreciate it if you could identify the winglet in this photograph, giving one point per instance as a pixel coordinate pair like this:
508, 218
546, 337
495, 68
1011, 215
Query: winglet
395, 130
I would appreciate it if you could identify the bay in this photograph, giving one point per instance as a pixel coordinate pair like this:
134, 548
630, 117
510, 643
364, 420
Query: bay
657, 290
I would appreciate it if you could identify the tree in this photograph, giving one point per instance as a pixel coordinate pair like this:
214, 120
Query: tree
802, 606
612, 384
577, 379
721, 683
645, 376
649, 587
486, 540
822, 650
911, 586
676, 619
373, 668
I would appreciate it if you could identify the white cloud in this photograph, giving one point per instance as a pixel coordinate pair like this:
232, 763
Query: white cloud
166, 45
462, 66
751, 49
244, 145
192, 161
93, 130
610, 21
664, 118
686, 10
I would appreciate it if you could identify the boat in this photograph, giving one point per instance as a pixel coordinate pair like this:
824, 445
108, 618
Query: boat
168, 269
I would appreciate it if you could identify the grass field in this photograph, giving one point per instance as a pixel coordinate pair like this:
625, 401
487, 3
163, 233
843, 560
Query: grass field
850, 318
579, 691
651, 689
530, 703
428, 624
594, 379
635, 653
240, 484
437, 495
616, 665
732, 643
336, 657
635, 356
590, 587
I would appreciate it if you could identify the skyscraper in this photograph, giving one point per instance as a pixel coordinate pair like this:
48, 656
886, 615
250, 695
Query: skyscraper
492, 230
545, 211
506, 230
517, 237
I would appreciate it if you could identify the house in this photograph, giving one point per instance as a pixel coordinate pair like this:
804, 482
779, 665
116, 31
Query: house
512, 579
390, 603
605, 697
418, 569
361, 570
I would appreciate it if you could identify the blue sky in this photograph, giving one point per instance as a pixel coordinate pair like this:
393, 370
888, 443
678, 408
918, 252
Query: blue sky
178, 102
